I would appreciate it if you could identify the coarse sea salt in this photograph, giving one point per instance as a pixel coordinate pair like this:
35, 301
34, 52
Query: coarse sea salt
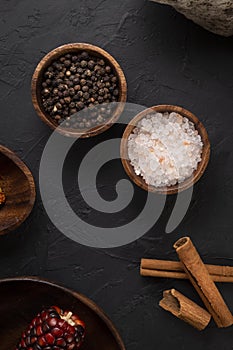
165, 149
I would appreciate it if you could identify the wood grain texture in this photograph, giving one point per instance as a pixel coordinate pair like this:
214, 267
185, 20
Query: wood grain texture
71, 48
138, 180
22, 298
18, 185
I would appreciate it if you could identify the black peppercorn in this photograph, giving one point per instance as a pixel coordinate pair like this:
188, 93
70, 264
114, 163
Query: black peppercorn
67, 100
80, 105
48, 81
101, 71
100, 99
101, 92
83, 82
85, 88
86, 95
61, 75
65, 93
83, 64
108, 69
71, 91
73, 69
70, 84
73, 111
72, 105
67, 63
58, 105
61, 87
96, 68
77, 87
75, 81
46, 92
74, 58
84, 55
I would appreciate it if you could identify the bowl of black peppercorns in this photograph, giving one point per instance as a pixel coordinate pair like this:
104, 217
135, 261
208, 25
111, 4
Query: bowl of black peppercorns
79, 89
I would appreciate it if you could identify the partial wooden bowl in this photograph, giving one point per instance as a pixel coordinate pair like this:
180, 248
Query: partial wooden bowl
18, 185
63, 50
22, 299
138, 180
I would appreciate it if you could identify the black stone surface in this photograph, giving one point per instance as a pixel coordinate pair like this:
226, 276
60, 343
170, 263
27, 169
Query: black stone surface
166, 59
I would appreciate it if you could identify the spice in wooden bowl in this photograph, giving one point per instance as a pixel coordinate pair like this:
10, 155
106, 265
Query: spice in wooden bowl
165, 149
75, 77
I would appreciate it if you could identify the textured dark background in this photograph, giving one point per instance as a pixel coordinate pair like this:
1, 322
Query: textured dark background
166, 59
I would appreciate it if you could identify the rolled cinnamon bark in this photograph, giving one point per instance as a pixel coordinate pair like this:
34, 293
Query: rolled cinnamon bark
185, 309
202, 282
174, 269
163, 274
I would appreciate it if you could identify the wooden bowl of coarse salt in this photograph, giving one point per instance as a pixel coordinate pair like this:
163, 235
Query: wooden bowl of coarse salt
165, 149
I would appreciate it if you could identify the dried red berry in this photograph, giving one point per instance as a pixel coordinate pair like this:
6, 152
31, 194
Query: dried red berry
2, 197
53, 329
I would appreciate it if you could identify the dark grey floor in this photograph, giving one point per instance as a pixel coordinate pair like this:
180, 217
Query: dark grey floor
166, 59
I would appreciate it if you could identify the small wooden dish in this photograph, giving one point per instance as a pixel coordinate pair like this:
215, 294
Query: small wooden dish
22, 298
138, 180
63, 50
18, 185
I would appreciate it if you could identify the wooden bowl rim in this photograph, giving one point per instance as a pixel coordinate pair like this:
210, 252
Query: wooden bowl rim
138, 180
58, 51
81, 297
27, 173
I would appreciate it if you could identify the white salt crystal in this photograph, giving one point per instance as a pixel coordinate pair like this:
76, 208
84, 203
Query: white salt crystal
164, 149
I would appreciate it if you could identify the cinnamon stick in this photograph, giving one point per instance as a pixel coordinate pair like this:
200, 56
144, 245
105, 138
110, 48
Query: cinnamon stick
202, 282
174, 269
185, 309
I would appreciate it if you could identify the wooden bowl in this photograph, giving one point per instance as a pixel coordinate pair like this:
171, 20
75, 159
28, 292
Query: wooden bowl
63, 50
138, 180
23, 298
18, 185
